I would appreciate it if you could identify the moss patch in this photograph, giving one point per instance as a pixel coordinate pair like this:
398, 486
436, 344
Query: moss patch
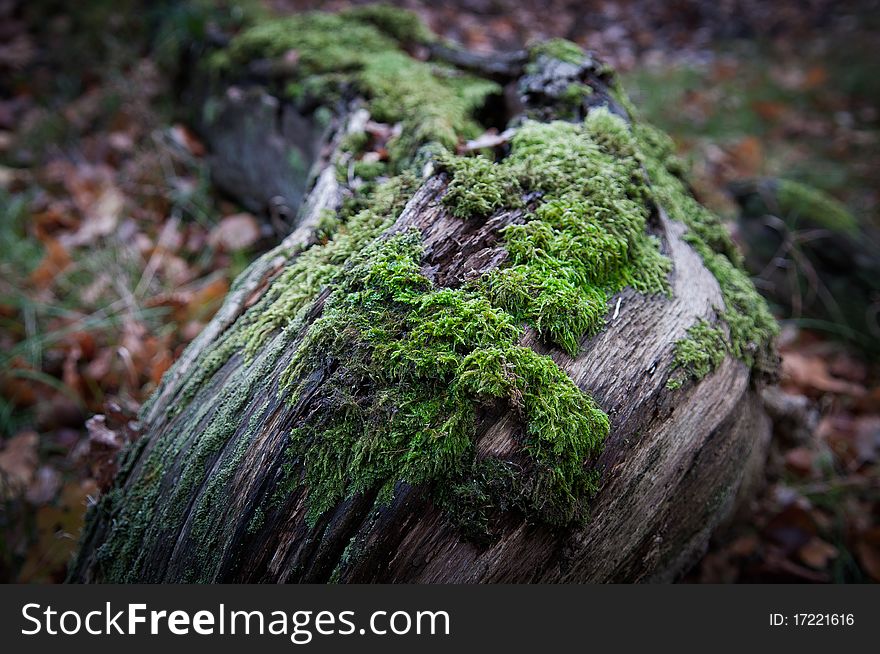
559, 49
751, 326
585, 240
699, 354
405, 367
360, 49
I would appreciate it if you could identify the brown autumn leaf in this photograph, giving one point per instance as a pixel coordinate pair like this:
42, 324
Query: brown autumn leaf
855, 440
769, 110
817, 554
18, 463
16, 389
812, 373
815, 77
849, 367
107, 434
160, 365
799, 460
747, 156
185, 138
100, 217
235, 232
205, 301
870, 402
868, 552
57, 216
44, 485
791, 529
744, 546
58, 528
55, 261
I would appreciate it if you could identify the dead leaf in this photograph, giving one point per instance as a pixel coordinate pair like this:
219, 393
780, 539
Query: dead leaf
855, 441
769, 110
744, 546
185, 138
799, 460
812, 372
490, 139
206, 300
17, 52
868, 552
817, 554
815, 77
791, 529
748, 156
44, 486
18, 463
107, 434
160, 365
58, 529
100, 218
101, 435
55, 261
235, 232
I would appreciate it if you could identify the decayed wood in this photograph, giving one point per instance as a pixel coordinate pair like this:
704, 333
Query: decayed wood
671, 470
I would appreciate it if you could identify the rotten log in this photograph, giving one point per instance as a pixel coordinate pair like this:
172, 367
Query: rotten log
214, 491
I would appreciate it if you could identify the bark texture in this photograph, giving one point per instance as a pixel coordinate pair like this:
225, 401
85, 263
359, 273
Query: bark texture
672, 469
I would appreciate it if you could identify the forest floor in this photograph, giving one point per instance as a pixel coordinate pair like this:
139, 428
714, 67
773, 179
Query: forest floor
116, 250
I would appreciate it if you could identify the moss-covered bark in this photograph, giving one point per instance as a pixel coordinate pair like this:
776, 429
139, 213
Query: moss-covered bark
357, 375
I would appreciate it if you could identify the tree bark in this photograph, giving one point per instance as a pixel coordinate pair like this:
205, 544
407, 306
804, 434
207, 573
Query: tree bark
673, 468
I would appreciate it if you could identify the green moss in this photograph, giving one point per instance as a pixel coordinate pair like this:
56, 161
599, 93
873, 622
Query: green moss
560, 49
572, 99
585, 240
401, 25
324, 42
369, 170
699, 353
433, 103
207, 528
410, 365
751, 326
491, 488
360, 48
405, 366
183, 460
478, 187
327, 226
301, 281
800, 203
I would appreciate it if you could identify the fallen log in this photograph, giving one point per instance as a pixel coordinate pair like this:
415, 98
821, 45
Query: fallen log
534, 364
